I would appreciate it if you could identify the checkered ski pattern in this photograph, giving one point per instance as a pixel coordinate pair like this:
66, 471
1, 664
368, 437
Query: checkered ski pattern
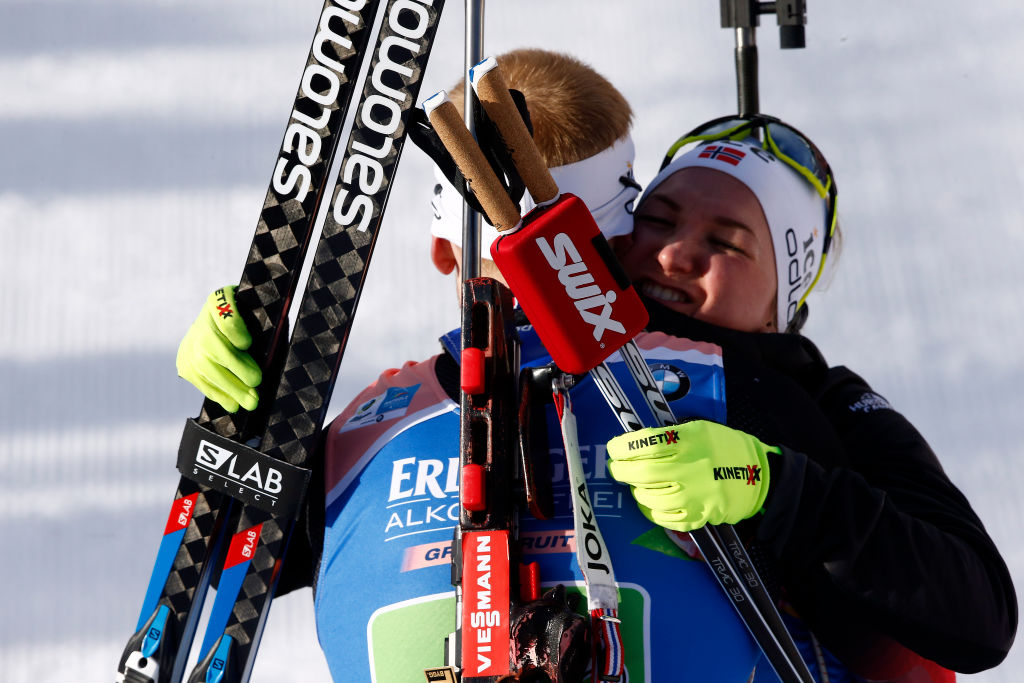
268, 283
321, 330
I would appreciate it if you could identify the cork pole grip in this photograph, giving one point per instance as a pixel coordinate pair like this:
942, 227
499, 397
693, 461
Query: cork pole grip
492, 90
496, 203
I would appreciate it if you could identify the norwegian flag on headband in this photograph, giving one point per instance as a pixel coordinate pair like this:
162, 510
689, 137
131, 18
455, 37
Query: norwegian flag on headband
729, 155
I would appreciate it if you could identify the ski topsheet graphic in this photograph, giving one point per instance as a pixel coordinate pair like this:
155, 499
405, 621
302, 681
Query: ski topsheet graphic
259, 457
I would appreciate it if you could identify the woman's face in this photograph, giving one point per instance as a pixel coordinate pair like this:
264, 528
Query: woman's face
701, 246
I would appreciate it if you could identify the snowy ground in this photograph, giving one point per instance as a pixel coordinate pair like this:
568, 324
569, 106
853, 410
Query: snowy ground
138, 138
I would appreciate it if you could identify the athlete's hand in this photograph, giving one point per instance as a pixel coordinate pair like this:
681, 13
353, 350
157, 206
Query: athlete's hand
692, 474
212, 355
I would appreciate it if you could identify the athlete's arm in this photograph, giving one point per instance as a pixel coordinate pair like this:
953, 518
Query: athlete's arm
887, 542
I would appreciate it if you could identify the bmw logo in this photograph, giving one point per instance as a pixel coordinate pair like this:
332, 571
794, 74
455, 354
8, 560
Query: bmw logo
673, 382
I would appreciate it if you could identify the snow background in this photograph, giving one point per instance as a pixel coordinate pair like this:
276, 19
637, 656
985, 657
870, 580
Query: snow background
137, 143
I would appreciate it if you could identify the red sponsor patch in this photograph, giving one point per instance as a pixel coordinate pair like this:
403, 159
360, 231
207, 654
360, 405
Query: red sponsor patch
243, 546
485, 603
181, 513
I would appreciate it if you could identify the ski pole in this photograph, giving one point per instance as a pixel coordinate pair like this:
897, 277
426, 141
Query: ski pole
722, 538
474, 49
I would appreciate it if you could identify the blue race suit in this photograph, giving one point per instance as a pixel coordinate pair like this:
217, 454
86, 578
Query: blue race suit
384, 599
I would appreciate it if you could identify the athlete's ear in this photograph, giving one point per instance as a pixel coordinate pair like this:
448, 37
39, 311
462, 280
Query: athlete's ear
443, 256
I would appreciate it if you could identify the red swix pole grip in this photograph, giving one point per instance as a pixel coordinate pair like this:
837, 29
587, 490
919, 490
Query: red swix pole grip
445, 119
561, 270
558, 263
492, 90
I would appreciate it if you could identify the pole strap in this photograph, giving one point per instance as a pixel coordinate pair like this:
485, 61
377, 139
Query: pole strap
592, 554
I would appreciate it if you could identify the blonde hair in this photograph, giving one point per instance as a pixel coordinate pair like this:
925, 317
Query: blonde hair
575, 111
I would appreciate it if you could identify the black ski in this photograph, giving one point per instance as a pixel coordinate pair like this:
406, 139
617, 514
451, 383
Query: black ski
180, 577
293, 431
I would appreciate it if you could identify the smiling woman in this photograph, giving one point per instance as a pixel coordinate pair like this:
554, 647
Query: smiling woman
728, 240
701, 246
793, 193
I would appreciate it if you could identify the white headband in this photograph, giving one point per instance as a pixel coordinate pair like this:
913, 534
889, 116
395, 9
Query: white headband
795, 213
595, 180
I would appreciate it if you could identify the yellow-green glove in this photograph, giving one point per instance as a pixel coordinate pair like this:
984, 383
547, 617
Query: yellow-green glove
692, 474
212, 355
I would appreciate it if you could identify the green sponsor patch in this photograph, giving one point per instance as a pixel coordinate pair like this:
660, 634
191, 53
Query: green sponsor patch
408, 637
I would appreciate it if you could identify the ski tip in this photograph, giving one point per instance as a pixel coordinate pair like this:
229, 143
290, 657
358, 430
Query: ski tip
478, 71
